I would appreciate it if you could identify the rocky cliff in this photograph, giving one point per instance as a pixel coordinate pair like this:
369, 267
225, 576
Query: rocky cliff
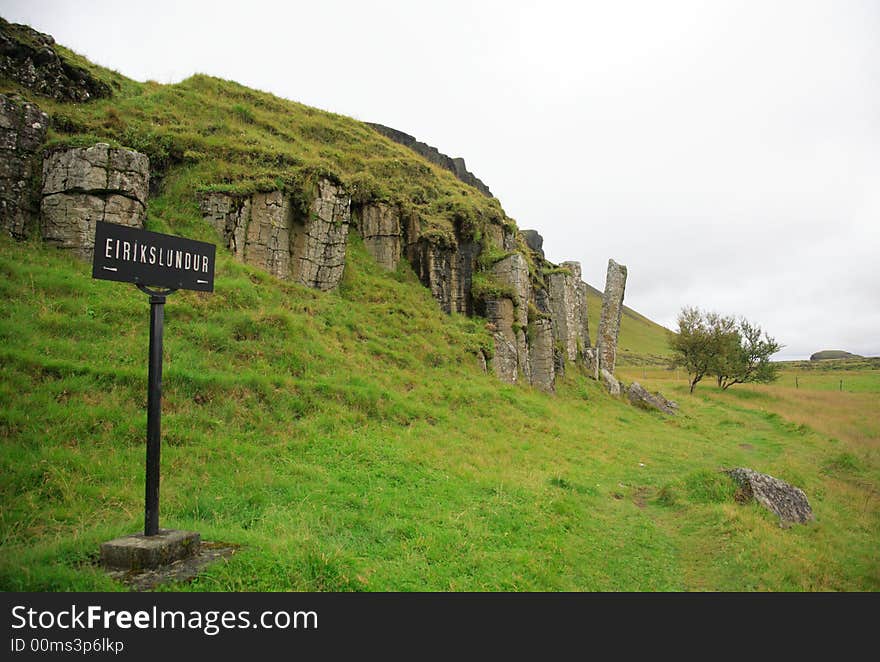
462, 246
30, 58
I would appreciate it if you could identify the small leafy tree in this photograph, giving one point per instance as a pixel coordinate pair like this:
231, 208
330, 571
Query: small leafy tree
733, 351
697, 344
748, 360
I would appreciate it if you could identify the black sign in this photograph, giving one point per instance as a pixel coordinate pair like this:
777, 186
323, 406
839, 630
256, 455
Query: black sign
137, 256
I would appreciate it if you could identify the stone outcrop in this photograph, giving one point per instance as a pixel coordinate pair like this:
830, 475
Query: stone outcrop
454, 165
84, 185
28, 57
379, 225
568, 308
609, 322
538, 318
786, 501
639, 396
22, 133
265, 230
534, 241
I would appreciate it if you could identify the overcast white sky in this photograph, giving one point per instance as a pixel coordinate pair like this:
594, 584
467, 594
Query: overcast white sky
727, 152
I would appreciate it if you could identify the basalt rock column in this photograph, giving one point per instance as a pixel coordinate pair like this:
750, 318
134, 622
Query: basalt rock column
267, 240
541, 360
500, 314
319, 241
84, 185
22, 132
513, 273
609, 323
568, 306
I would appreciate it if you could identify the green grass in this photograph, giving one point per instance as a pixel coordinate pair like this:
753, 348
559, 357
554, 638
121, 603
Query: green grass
349, 441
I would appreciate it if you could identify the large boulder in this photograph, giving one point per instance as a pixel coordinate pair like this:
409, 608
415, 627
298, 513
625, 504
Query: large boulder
611, 384
640, 397
788, 502
22, 133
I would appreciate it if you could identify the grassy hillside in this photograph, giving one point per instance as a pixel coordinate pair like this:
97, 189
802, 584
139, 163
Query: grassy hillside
349, 441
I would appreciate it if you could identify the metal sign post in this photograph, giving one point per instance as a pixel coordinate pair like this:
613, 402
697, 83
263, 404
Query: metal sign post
154, 408
159, 264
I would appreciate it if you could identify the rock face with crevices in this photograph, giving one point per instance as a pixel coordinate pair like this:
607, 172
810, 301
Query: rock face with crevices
22, 133
786, 501
267, 237
229, 216
82, 186
264, 230
379, 225
534, 241
446, 268
609, 322
320, 239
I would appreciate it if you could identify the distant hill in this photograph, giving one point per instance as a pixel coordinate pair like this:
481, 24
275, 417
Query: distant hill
826, 354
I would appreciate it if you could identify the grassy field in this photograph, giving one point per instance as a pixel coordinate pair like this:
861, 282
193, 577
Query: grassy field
349, 441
